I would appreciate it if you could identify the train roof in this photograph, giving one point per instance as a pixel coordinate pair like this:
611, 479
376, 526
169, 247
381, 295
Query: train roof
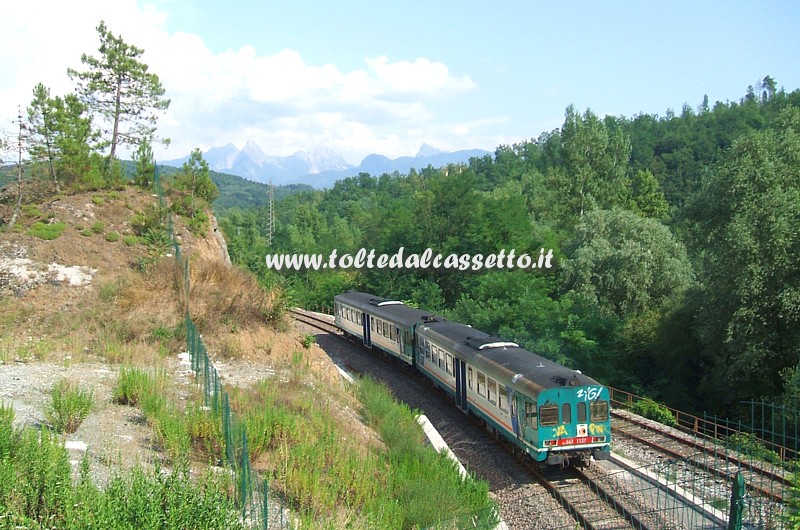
393, 310
527, 372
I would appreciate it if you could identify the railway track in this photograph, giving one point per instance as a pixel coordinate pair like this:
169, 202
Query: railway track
592, 500
712, 459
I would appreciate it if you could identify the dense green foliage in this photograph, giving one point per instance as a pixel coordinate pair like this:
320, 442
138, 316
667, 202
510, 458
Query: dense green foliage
673, 243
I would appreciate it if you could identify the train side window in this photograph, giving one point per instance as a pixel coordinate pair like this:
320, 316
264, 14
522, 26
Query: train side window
372, 324
492, 389
598, 410
427, 349
548, 415
502, 398
448, 363
385, 329
469, 376
530, 415
391, 333
481, 385
581, 412
434, 354
566, 413
358, 318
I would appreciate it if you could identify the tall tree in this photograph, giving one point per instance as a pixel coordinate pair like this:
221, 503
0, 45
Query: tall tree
593, 173
42, 127
145, 164
119, 87
625, 264
745, 221
194, 177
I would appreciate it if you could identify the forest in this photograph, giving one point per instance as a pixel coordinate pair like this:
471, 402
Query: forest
675, 242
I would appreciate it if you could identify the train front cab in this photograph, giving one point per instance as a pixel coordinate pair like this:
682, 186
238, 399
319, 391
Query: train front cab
567, 425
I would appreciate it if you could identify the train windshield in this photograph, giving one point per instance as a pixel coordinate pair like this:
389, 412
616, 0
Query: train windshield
599, 411
548, 415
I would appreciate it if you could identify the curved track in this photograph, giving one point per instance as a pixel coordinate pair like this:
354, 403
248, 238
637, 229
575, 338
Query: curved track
587, 498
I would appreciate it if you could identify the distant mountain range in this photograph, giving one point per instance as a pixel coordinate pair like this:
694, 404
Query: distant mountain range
319, 168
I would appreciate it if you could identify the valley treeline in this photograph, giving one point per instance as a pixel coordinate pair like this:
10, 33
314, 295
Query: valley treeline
675, 240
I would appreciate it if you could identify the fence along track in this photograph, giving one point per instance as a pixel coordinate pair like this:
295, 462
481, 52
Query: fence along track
763, 481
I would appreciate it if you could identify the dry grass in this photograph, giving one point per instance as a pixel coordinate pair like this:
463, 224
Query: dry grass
229, 296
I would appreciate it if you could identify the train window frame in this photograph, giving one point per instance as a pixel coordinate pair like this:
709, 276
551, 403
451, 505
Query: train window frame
491, 390
530, 415
427, 349
358, 318
448, 363
598, 415
469, 377
391, 333
481, 388
546, 416
581, 412
566, 413
502, 398
385, 329
372, 324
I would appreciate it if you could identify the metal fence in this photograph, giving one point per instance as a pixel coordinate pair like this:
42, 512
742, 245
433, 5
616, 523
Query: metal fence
258, 509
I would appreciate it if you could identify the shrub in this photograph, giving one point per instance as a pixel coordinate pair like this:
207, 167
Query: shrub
655, 411
132, 385
47, 231
98, 227
32, 210
87, 233
308, 340
68, 407
151, 219
97, 200
130, 240
112, 237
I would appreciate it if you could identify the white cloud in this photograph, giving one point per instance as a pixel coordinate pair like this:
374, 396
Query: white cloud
278, 100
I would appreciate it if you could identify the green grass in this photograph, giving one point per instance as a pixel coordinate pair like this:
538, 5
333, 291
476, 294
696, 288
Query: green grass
328, 475
112, 237
130, 240
47, 231
37, 490
98, 227
69, 406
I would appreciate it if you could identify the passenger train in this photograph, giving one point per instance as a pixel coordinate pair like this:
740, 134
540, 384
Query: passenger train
556, 415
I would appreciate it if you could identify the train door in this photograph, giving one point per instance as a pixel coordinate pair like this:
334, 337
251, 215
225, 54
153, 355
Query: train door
461, 383
401, 341
515, 423
367, 332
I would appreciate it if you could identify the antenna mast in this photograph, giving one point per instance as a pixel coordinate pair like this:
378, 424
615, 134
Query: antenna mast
271, 213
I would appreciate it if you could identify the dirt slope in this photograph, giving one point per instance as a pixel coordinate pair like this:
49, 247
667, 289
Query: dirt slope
78, 307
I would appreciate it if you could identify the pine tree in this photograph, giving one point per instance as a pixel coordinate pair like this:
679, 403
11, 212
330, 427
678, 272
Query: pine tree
42, 128
119, 87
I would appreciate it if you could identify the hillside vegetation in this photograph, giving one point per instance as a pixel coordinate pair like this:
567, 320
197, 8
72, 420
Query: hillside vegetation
673, 238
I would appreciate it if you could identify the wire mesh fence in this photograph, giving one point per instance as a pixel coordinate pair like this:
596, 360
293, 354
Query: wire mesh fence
258, 509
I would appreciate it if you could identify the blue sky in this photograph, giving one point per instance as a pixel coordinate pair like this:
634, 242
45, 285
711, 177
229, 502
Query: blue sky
361, 77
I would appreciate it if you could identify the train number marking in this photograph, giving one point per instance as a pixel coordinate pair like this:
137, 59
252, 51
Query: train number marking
589, 394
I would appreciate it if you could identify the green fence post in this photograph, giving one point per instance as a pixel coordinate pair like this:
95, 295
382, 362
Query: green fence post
737, 502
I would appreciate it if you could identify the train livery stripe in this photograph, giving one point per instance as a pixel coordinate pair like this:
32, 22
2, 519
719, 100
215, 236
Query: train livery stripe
499, 421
